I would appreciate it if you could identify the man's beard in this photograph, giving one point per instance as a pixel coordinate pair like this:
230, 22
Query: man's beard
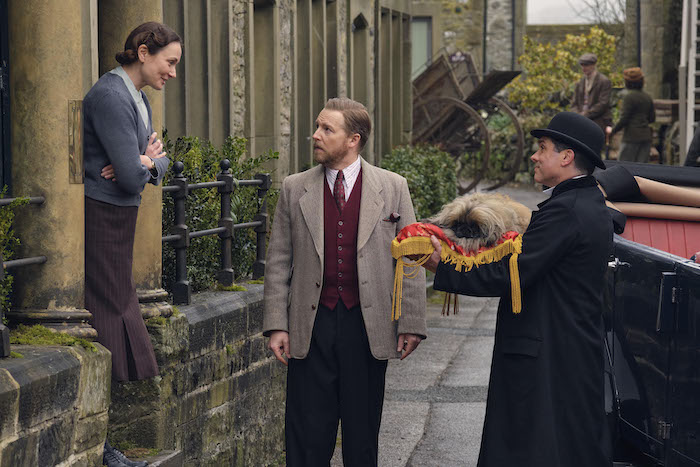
324, 158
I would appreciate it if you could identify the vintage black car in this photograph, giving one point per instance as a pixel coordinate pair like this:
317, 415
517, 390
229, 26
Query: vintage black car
652, 320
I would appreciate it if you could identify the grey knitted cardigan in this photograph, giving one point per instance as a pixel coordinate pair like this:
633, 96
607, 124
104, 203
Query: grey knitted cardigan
115, 134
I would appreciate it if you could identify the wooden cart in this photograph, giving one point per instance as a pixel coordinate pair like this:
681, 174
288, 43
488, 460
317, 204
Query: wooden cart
453, 108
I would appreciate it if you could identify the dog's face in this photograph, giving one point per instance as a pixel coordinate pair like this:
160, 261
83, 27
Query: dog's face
474, 221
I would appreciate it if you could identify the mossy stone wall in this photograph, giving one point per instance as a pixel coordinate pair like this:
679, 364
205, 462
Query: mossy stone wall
220, 395
54, 406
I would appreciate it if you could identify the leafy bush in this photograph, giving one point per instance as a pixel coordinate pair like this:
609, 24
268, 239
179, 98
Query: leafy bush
503, 143
8, 245
203, 208
430, 173
550, 71
546, 87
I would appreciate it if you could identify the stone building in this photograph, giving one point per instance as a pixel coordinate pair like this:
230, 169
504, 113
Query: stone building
490, 30
652, 41
278, 64
261, 69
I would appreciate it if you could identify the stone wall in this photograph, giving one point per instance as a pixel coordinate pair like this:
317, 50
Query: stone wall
53, 406
659, 44
553, 33
220, 395
239, 13
219, 398
504, 36
462, 25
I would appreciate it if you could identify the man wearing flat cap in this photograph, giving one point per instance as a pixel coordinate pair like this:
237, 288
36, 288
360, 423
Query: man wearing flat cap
637, 114
592, 92
545, 404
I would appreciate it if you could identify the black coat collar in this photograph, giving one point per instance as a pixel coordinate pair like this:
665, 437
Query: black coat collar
571, 184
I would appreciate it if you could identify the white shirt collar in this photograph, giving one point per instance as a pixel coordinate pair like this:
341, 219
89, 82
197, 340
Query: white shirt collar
135, 94
119, 71
549, 190
350, 174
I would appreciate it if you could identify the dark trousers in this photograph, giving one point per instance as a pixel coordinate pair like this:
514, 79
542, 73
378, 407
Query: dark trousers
339, 379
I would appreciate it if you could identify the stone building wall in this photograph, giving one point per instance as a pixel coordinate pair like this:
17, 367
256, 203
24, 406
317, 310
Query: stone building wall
54, 405
219, 398
462, 24
659, 44
239, 15
499, 36
286, 76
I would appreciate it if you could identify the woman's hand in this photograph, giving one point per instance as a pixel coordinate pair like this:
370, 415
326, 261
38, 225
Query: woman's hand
148, 162
154, 150
108, 172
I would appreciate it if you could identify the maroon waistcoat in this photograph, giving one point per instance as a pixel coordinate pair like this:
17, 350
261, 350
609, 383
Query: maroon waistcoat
340, 248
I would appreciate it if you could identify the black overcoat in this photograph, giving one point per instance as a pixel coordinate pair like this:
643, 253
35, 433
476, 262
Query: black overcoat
545, 404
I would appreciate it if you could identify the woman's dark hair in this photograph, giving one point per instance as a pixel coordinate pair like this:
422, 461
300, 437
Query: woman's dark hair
634, 84
153, 35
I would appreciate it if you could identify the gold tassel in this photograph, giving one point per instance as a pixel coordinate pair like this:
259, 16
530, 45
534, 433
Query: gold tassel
515, 297
414, 246
398, 282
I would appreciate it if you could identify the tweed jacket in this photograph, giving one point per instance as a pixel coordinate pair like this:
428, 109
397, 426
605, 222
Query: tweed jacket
294, 265
598, 100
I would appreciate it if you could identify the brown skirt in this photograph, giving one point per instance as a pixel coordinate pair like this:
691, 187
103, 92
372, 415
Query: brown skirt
110, 294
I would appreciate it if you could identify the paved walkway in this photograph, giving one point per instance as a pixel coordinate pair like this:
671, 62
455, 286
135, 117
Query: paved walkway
435, 399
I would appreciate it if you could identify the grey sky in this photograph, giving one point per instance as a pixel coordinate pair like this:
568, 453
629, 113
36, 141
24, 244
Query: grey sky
555, 11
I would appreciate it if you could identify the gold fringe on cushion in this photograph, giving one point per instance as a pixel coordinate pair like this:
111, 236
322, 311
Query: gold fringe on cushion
422, 246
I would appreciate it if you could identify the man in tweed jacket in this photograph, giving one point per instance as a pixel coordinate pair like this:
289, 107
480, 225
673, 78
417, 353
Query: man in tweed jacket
592, 93
328, 282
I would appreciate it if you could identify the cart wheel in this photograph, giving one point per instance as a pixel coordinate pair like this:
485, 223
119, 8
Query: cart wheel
507, 141
458, 130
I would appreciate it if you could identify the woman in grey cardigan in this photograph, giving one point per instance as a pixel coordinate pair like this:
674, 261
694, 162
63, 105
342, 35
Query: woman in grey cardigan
122, 154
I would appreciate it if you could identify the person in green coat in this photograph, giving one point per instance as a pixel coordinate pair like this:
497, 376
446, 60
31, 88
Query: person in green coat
637, 114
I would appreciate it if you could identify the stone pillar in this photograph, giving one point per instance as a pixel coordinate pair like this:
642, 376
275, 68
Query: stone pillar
50, 53
117, 18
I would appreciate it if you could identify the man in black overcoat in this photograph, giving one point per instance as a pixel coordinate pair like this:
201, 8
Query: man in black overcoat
545, 404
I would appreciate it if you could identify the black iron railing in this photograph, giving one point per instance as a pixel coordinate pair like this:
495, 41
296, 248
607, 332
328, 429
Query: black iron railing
180, 235
15, 263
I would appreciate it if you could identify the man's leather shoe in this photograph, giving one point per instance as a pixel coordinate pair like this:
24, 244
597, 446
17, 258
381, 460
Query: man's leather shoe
121, 458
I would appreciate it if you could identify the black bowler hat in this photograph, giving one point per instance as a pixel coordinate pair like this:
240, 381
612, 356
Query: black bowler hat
580, 132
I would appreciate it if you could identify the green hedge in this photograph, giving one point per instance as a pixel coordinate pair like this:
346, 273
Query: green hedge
8, 245
203, 208
430, 173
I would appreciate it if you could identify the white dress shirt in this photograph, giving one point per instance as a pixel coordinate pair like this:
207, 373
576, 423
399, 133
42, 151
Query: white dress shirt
350, 174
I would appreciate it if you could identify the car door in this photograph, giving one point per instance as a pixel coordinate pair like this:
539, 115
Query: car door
640, 346
685, 369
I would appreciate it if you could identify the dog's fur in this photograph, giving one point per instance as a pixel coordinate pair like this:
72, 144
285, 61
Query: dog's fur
478, 220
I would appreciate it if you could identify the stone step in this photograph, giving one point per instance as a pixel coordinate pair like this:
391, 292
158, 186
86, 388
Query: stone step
166, 459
